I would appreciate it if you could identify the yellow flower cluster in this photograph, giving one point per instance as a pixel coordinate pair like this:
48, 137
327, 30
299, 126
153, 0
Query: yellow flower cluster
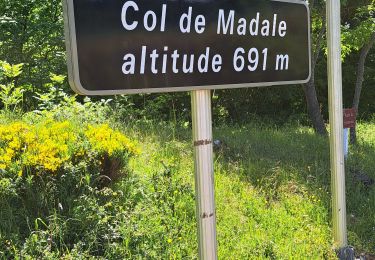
104, 139
43, 145
10, 138
50, 144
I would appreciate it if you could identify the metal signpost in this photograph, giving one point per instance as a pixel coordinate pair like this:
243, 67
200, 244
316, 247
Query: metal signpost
204, 173
149, 46
336, 123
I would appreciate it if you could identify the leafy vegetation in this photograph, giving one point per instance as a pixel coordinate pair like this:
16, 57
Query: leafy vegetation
50, 167
272, 195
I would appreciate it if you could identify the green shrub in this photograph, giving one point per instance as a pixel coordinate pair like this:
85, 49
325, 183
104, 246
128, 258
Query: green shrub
54, 192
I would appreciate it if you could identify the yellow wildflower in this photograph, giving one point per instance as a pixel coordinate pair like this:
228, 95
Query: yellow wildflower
104, 139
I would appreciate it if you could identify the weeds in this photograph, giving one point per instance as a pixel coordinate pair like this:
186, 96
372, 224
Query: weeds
272, 199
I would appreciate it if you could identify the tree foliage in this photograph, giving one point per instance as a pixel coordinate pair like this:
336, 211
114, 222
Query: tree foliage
32, 33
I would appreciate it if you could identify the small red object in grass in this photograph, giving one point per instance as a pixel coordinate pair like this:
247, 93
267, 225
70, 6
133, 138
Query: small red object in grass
350, 117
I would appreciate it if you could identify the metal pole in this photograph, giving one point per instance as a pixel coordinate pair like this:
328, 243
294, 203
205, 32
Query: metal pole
336, 123
204, 173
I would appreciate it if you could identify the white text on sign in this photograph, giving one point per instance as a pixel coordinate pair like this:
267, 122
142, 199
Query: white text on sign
167, 60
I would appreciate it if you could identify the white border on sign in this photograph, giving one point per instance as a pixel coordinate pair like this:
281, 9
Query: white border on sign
73, 67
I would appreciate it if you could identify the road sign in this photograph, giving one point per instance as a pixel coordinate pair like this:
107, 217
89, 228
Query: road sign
349, 118
125, 47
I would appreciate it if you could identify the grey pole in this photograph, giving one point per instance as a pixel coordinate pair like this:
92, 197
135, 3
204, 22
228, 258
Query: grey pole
204, 173
336, 123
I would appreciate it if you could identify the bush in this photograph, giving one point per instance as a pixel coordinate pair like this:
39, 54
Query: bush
54, 178
47, 147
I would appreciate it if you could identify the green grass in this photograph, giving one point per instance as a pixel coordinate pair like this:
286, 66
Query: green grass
272, 190
361, 198
272, 199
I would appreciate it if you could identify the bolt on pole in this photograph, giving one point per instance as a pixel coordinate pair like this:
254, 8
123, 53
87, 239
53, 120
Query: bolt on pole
204, 173
336, 123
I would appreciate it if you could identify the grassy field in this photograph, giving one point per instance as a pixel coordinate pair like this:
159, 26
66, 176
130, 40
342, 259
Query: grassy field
272, 194
272, 191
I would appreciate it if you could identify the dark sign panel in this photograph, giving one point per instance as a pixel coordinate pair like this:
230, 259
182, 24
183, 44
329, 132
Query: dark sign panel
350, 115
120, 46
